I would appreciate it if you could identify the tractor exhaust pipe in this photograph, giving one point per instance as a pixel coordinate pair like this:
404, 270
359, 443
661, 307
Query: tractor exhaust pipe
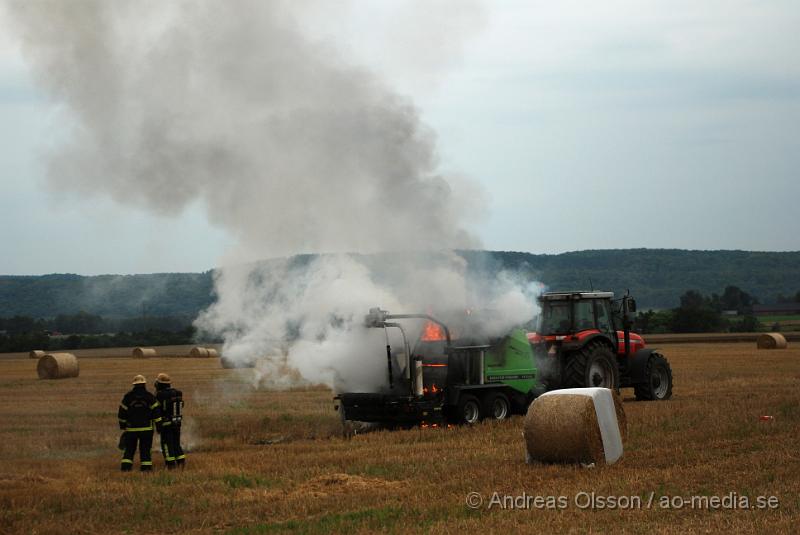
628, 318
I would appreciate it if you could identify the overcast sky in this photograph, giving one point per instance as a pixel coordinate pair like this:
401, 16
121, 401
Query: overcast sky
591, 125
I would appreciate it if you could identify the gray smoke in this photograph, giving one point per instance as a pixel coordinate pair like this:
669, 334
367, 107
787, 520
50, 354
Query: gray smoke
289, 145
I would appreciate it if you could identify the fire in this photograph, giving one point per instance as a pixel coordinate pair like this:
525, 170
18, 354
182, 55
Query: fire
432, 332
435, 425
432, 390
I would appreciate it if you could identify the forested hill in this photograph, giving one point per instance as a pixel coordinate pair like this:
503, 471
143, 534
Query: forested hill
112, 296
657, 277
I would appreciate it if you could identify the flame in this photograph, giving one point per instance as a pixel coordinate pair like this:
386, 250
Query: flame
434, 425
432, 332
432, 390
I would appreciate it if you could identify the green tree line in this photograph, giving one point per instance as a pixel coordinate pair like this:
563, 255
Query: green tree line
698, 313
657, 277
87, 331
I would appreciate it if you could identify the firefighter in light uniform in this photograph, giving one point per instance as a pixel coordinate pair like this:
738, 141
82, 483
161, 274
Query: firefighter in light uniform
171, 404
138, 412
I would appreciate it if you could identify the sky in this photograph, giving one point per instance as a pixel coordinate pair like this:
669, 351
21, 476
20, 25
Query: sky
662, 124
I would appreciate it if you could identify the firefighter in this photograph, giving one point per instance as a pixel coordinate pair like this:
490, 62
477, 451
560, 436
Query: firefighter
138, 412
171, 404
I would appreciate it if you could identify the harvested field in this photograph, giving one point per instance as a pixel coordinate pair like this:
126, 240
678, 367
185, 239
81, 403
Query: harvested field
273, 462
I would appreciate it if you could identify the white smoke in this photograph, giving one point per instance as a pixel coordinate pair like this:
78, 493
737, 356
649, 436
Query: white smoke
291, 146
306, 314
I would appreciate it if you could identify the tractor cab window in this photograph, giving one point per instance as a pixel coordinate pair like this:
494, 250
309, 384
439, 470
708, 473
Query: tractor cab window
555, 318
584, 315
603, 317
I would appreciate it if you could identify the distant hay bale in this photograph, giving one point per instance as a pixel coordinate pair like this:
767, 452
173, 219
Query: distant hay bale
771, 341
57, 366
229, 363
202, 352
144, 352
198, 352
36, 354
579, 425
212, 353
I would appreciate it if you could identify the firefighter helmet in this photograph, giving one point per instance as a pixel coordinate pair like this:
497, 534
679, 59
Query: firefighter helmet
163, 378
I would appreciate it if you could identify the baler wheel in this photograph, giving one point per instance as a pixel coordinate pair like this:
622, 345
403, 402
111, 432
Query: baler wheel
496, 406
469, 410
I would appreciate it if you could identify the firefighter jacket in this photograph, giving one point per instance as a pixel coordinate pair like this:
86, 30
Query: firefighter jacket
170, 402
139, 410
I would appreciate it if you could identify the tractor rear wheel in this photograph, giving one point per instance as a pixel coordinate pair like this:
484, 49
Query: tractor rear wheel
496, 406
659, 380
594, 365
469, 410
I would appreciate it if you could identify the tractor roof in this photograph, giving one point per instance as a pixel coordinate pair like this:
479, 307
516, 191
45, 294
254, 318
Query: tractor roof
561, 296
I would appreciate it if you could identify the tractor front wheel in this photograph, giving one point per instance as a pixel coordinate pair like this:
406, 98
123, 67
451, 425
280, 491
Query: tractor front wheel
594, 365
658, 384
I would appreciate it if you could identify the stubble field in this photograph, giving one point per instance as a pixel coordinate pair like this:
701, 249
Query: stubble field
274, 462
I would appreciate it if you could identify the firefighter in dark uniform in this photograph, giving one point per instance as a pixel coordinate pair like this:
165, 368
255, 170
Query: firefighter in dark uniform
138, 412
171, 404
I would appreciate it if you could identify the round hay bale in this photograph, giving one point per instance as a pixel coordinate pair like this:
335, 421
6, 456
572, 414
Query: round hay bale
564, 428
580, 425
144, 352
57, 366
771, 341
198, 352
622, 419
229, 363
36, 354
212, 353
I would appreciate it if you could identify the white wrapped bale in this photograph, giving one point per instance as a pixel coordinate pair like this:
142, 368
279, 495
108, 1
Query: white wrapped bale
577, 425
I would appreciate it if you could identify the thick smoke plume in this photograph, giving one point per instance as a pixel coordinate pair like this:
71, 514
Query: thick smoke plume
290, 146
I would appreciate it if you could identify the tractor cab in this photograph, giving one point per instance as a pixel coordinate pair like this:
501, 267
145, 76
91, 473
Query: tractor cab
571, 313
579, 315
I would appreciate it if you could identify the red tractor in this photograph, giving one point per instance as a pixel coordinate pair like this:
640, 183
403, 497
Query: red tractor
584, 340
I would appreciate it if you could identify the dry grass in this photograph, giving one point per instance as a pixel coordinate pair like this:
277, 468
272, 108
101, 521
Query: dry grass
272, 462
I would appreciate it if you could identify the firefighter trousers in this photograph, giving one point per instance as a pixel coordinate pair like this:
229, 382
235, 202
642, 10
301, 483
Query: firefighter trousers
171, 446
144, 440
